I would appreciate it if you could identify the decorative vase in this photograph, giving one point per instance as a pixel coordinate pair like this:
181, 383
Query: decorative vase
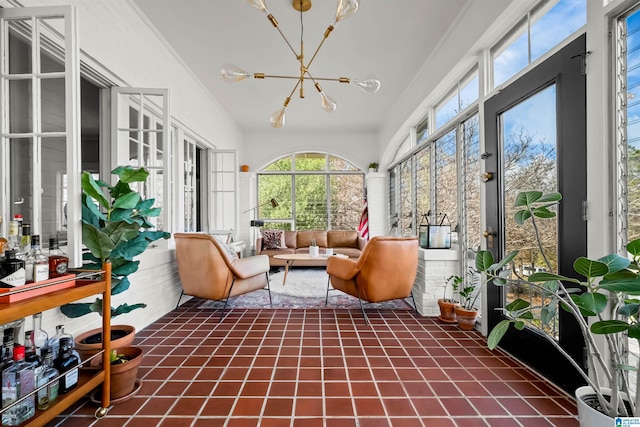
587, 415
314, 251
447, 311
466, 318
90, 342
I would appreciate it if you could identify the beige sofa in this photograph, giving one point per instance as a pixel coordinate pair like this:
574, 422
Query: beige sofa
345, 242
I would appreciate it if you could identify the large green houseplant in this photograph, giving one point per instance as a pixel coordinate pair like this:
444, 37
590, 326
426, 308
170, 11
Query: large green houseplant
603, 303
115, 228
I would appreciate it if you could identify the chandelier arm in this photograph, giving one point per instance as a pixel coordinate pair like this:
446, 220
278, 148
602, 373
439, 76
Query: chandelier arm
326, 35
294, 89
288, 43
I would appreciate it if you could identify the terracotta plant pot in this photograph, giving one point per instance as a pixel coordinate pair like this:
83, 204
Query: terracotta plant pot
244, 168
90, 342
466, 318
124, 375
447, 312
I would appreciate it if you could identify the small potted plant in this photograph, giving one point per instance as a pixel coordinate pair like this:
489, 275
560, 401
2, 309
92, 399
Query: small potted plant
466, 311
446, 305
314, 250
373, 167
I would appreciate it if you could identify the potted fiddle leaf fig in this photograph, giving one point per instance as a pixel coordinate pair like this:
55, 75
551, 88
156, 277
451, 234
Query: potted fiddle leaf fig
604, 303
116, 228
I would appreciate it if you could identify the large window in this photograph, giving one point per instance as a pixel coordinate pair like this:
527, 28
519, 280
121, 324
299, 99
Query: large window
313, 191
531, 38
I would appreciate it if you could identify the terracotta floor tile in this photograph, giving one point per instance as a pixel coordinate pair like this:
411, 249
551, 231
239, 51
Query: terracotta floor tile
156, 406
218, 406
338, 407
369, 407
248, 406
458, 407
399, 407
337, 389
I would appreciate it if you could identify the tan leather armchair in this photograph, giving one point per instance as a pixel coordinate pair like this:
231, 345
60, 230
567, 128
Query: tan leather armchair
206, 270
386, 270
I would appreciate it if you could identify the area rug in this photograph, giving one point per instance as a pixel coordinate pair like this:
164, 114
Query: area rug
305, 288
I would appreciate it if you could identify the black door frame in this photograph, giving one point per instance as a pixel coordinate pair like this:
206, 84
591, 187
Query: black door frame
566, 70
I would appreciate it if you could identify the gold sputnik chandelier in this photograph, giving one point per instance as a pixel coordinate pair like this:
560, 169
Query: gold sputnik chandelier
233, 74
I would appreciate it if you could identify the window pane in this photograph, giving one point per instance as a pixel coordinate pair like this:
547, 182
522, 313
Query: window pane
284, 164
423, 182
632, 78
469, 93
311, 162
338, 164
48, 64
446, 177
512, 58
346, 201
406, 197
21, 183
54, 171
311, 202
277, 187
422, 130
20, 116
471, 190
565, 17
53, 93
447, 110
19, 48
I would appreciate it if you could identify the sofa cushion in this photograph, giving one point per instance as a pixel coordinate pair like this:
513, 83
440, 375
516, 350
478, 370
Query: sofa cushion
273, 239
306, 237
291, 239
342, 239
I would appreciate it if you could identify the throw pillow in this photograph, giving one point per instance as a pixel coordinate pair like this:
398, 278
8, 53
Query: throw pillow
273, 239
230, 251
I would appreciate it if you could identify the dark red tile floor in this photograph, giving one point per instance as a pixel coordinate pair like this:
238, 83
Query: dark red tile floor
326, 368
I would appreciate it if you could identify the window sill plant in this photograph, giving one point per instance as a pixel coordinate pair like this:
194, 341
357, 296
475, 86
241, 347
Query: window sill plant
604, 305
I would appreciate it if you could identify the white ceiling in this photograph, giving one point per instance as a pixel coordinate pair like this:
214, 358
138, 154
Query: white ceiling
386, 39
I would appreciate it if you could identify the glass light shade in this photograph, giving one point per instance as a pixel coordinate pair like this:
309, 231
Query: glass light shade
259, 4
328, 104
233, 74
277, 119
345, 9
369, 86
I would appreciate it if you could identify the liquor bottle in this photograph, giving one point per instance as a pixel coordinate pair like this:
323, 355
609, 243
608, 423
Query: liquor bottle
58, 261
30, 354
40, 337
25, 240
12, 270
67, 364
37, 264
6, 355
13, 241
17, 382
49, 394
54, 341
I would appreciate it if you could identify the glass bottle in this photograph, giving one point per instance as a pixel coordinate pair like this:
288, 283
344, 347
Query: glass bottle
58, 261
13, 242
37, 264
25, 240
6, 357
67, 364
12, 270
30, 355
47, 395
18, 381
40, 337
54, 341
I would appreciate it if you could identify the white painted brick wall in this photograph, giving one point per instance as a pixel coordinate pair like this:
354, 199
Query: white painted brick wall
434, 267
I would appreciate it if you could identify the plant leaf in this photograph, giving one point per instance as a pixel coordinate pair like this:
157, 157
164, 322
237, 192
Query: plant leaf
155, 235
76, 309
584, 310
125, 308
517, 304
609, 327
522, 216
484, 260
526, 198
98, 243
630, 287
552, 197
593, 302
590, 268
90, 188
119, 285
543, 212
130, 248
634, 331
497, 333
630, 309
634, 247
127, 201
129, 174
615, 262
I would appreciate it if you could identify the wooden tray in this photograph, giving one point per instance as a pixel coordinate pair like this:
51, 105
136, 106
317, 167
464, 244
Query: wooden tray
35, 289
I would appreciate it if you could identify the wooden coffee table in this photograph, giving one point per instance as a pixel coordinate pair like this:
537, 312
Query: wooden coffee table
292, 258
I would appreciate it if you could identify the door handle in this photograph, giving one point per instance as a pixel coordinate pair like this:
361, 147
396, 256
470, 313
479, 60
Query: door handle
489, 235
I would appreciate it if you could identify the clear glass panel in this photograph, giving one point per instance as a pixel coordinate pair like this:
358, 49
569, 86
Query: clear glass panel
21, 183
54, 189
277, 187
529, 152
633, 125
20, 98
473, 232
146, 122
422, 131
145, 156
49, 64
311, 202
158, 193
346, 201
406, 197
446, 177
134, 122
565, 18
53, 112
338, 164
469, 92
283, 164
447, 110
423, 183
20, 47
510, 59
133, 146
159, 134
311, 162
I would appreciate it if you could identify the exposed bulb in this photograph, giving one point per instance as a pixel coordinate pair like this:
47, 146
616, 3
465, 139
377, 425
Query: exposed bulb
328, 104
259, 4
277, 119
345, 9
233, 74
369, 86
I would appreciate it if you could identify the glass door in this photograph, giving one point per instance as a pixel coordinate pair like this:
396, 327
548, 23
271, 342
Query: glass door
535, 140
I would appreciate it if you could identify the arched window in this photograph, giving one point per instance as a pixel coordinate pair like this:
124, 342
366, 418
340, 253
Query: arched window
314, 191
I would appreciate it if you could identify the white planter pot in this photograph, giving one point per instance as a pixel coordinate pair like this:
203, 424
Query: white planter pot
588, 416
314, 251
